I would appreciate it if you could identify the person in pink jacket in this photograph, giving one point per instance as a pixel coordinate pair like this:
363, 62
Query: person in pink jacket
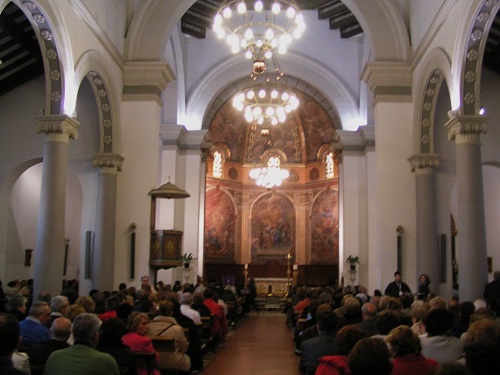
136, 339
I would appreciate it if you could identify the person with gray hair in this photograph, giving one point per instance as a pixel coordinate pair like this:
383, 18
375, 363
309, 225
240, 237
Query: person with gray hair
34, 328
369, 316
58, 304
186, 301
16, 305
82, 358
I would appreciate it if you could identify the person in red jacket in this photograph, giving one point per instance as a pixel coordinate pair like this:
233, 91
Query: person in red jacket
407, 359
345, 339
219, 322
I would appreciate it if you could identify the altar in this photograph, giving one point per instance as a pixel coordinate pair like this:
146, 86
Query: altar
271, 285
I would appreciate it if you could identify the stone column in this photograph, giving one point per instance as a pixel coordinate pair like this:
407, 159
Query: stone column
105, 225
246, 225
302, 203
49, 251
427, 252
471, 238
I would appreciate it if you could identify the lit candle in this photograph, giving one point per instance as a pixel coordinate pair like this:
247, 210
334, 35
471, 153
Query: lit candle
246, 266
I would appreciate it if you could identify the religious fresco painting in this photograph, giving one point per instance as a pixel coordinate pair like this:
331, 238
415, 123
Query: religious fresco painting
273, 228
220, 224
299, 137
325, 228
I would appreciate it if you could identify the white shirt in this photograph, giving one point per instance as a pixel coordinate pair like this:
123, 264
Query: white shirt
444, 349
194, 315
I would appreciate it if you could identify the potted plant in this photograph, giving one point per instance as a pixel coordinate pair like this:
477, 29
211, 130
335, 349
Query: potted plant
186, 259
353, 261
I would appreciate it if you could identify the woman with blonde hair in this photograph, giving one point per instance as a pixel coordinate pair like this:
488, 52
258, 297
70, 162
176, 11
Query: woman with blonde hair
137, 340
406, 351
86, 302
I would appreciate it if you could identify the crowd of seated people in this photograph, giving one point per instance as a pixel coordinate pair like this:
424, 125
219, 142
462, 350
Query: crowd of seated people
141, 331
403, 335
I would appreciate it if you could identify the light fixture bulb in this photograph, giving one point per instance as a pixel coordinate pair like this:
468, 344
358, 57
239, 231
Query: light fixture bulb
269, 34
242, 8
258, 6
227, 12
248, 34
276, 8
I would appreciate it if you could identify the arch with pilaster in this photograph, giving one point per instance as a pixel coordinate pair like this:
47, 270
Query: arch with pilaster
49, 40
375, 17
91, 66
480, 20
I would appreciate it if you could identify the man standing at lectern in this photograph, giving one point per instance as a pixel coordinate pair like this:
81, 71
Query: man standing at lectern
397, 288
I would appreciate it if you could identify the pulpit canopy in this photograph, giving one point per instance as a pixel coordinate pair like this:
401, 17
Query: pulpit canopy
169, 191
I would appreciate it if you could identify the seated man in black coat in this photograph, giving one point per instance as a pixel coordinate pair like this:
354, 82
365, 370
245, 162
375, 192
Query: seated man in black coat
397, 288
321, 345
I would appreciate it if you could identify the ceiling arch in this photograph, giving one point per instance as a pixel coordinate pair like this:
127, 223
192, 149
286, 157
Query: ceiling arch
151, 27
321, 80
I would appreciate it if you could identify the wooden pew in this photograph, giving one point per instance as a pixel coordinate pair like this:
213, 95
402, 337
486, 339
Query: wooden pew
145, 360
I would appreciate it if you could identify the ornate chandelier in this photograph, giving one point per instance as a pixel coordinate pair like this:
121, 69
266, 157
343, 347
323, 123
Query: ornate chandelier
270, 176
259, 28
265, 103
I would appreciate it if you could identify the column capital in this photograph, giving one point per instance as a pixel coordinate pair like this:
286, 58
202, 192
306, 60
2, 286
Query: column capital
390, 81
57, 126
465, 125
423, 161
108, 160
145, 80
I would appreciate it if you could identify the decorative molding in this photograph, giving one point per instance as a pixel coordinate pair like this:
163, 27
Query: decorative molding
57, 125
104, 109
108, 160
473, 56
421, 161
465, 125
170, 133
427, 111
387, 74
52, 65
145, 80
359, 140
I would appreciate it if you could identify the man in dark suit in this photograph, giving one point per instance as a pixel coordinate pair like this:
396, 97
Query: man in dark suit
321, 345
60, 331
492, 289
397, 288
369, 315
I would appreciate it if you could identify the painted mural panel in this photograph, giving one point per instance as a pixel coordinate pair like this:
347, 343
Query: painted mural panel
220, 224
300, 136
273, 228
325, 228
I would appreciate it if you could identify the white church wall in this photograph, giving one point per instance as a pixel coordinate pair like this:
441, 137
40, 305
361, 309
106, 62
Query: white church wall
139, 147
395, 204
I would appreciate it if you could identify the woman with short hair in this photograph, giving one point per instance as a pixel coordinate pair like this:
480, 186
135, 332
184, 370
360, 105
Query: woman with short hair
406, 350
